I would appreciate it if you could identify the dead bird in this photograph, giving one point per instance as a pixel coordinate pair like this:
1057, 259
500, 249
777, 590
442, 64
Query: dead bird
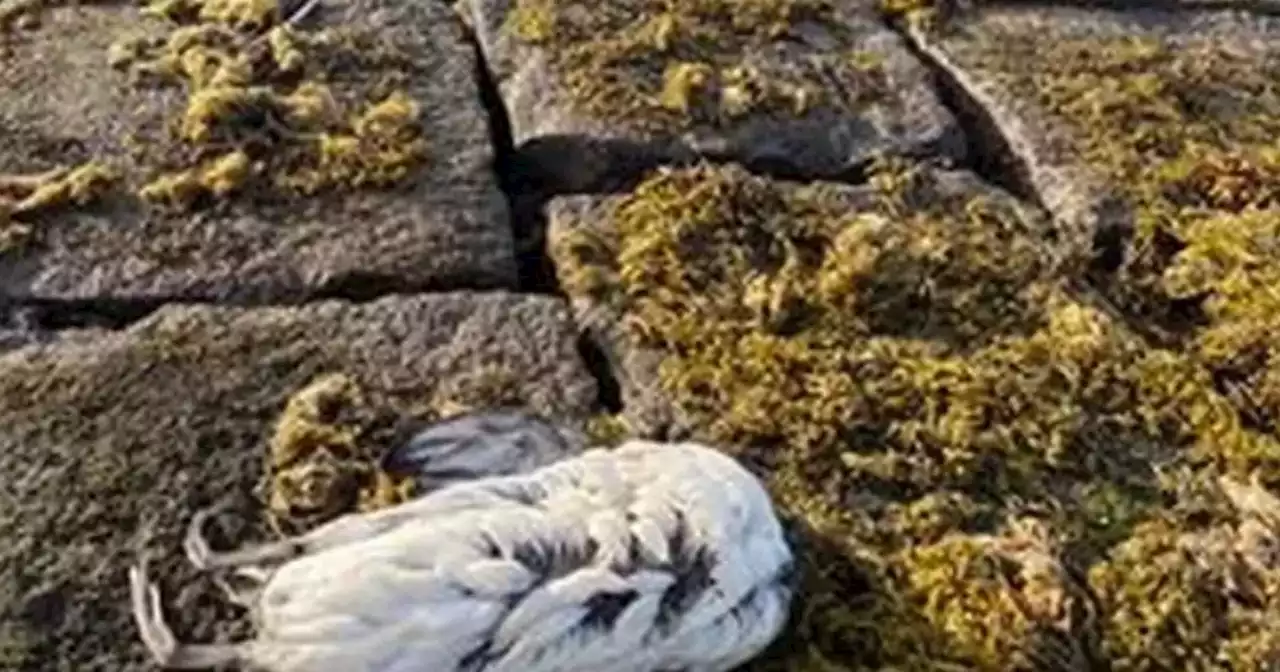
646, 557
475, 445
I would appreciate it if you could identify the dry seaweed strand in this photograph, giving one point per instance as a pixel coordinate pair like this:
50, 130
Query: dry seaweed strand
25, 198
922, 379
667, 64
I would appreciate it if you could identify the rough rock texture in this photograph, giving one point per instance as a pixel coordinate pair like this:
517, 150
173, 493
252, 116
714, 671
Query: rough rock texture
110, 445
447, 227
571, 147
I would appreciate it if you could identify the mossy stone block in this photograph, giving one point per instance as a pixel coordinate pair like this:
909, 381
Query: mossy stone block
108, 445
745, 229
808, 88
444, 225
965, 430
1157, 130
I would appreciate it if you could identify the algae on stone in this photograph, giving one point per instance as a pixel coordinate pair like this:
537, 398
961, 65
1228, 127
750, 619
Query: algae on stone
324, 457
1184, 126
328, 453
913, 362
485, 387
663, 64
269, 104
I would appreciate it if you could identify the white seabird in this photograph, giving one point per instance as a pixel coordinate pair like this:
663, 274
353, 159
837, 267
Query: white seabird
647, 557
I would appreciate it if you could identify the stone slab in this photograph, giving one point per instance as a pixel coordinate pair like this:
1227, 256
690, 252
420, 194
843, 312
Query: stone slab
571, 148
108, 445
445, 227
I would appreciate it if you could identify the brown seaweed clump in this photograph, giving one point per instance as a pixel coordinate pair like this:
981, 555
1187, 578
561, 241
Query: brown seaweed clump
911, 360
1186, 129
24, 199
271, 107
325, 454
664, 64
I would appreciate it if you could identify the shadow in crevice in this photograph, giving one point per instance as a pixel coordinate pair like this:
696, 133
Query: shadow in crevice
528, 190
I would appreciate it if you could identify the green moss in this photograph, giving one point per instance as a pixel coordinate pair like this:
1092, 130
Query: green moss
663, 65
910, 360
1003, 602
324, 456
269, 109
1187, 131
1196, 593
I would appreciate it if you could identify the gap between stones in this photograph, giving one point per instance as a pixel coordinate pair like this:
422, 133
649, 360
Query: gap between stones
535, 271
116, 314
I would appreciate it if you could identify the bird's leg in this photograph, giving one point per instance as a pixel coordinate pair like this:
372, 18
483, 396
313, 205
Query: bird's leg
205, 558
158, 638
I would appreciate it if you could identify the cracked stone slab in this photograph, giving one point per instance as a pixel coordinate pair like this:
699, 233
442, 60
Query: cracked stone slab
999, 59
879, 98
445, 226
109, 445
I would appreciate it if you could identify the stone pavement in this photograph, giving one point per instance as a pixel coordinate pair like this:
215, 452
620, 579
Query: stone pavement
985, 291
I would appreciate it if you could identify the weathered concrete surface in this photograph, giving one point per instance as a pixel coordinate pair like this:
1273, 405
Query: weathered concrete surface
571, 149
62, 105
111, 444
